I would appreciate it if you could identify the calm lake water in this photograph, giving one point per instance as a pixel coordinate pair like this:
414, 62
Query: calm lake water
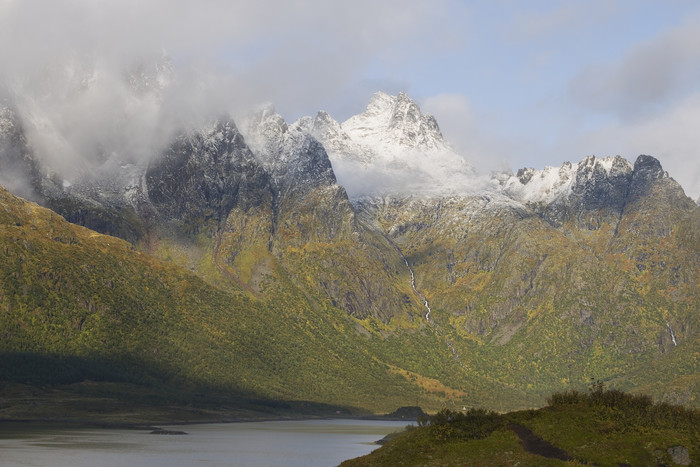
279, 443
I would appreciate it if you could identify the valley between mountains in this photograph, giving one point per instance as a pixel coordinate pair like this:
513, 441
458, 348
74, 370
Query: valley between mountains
259, 268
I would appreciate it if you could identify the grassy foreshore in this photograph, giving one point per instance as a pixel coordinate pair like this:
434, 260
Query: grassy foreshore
602, 427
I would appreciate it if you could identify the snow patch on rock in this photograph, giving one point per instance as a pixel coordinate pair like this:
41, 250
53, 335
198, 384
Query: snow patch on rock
392, 148
553, 183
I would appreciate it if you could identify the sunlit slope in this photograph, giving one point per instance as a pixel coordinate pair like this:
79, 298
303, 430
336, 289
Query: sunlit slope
114, 314
539, 305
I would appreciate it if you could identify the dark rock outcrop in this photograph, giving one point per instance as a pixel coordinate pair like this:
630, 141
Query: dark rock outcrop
203, 175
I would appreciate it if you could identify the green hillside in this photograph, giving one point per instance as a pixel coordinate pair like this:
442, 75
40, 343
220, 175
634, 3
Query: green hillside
308, 299
85, 315
539, 307
602, 427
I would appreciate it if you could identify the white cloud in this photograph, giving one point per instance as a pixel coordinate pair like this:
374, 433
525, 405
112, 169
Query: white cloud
228, 56
314, 54
670, 136
271, 46
649, 77
464, 131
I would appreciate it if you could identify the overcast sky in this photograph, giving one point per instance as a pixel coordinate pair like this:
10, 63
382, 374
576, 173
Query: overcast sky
511, 83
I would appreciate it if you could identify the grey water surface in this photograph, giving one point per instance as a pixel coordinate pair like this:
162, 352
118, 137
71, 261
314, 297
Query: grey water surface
276, 443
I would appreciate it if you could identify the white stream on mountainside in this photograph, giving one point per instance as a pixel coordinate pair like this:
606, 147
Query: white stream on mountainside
413, 285
673, 336
427, 315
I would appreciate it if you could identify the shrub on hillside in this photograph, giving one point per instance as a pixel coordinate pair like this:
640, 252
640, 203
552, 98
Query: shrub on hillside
617, 404
472, 424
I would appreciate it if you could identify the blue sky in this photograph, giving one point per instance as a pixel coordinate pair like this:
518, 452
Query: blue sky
511, 83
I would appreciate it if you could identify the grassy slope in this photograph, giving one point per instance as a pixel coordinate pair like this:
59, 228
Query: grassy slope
599, 428
357, 269
78, 306
537, 309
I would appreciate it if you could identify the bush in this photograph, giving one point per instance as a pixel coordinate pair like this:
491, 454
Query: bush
638, 408
566, 398
473, 424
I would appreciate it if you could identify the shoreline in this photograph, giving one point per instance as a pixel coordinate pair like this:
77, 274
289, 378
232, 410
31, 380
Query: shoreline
150, 426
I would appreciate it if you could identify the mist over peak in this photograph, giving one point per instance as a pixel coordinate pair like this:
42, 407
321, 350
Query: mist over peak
392, 147
83, 112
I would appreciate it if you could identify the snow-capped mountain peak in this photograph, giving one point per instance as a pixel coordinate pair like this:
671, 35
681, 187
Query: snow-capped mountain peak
339, 145
286, 150
394, 124
391, 147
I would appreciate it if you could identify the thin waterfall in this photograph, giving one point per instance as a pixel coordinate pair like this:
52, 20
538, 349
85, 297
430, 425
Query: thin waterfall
673, 336
427, 315
413, 285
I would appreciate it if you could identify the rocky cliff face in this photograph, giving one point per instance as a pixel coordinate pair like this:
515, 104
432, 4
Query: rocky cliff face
315, 233
591, 191
203, 175
97, 202
302, 180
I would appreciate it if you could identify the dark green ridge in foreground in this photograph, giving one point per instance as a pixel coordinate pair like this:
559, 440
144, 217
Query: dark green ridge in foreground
601, 427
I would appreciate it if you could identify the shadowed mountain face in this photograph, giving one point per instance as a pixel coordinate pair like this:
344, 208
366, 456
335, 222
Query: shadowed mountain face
204, 175
534, 281
20, 171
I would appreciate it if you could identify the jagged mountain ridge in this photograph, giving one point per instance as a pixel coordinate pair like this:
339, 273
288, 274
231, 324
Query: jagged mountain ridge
576, 251
254, 206
392, 147
392, 132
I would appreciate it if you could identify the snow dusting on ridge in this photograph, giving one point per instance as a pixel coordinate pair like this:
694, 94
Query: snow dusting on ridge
551, 183
392, 147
